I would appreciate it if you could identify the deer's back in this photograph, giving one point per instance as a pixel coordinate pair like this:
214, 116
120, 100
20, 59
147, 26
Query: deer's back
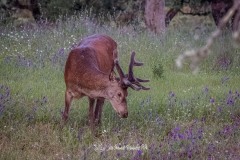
89, 62
103, 46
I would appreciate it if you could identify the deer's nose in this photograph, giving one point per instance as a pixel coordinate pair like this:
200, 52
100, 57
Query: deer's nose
123, 115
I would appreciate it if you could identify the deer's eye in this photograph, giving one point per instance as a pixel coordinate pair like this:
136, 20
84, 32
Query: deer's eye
119, 94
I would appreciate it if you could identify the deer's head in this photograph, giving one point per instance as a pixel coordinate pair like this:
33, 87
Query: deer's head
117, 91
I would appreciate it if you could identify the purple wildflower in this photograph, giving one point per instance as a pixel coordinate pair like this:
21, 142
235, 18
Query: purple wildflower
171, 94
219, 109
24, 62
118, 154
139, 152
181, 136
230, 101
237, 94
172, 98
212, 100
177, 129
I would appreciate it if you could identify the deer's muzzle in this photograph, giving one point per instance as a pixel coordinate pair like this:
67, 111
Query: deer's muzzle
123, 114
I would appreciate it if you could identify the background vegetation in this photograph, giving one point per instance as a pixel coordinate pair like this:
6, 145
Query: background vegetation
183, 116
122, 11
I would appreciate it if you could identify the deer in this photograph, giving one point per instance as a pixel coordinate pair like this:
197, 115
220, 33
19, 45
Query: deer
89, 71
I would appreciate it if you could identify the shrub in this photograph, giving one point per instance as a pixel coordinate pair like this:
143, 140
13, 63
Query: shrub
158, 71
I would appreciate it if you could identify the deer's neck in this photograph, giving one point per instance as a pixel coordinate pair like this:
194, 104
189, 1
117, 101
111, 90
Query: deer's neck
96, 85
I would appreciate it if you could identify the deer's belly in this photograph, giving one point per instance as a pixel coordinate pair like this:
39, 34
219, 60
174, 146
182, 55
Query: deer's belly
79, 92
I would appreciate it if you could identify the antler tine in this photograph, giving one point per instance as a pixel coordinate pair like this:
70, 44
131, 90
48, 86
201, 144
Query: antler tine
132, 63
138, 84
135, 63
131, 78
145, 88
119, 69
142, 80
126, 82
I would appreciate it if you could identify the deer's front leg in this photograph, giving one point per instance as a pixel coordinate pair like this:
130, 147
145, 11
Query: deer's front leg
91, 113
98, 111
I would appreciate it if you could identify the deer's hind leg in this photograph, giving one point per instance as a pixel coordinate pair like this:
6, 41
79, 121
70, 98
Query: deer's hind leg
68, 100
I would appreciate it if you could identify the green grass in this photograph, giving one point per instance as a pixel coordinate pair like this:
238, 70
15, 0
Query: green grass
180, 126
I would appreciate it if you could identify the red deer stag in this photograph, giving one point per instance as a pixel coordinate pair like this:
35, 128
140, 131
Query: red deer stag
89, 71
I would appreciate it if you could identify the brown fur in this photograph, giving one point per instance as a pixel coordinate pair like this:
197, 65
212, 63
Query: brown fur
87, 73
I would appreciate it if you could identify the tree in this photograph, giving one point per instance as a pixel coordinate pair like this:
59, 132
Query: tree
23, 11
155, 15
196, 56
219, 9
200, 7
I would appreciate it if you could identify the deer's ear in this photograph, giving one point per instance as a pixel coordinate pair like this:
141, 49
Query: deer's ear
112, 76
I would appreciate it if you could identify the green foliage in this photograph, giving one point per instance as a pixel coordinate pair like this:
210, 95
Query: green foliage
158, 71
180, 3
53, 9
124, 11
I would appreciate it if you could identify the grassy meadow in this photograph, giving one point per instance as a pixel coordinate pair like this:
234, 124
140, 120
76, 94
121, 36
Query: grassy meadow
183, 116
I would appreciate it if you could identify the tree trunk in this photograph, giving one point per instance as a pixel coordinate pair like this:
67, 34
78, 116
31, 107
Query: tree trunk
155, 15
170, 15
219, 9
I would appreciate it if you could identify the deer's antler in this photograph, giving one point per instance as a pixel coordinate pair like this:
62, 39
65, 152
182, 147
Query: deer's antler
129, 80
